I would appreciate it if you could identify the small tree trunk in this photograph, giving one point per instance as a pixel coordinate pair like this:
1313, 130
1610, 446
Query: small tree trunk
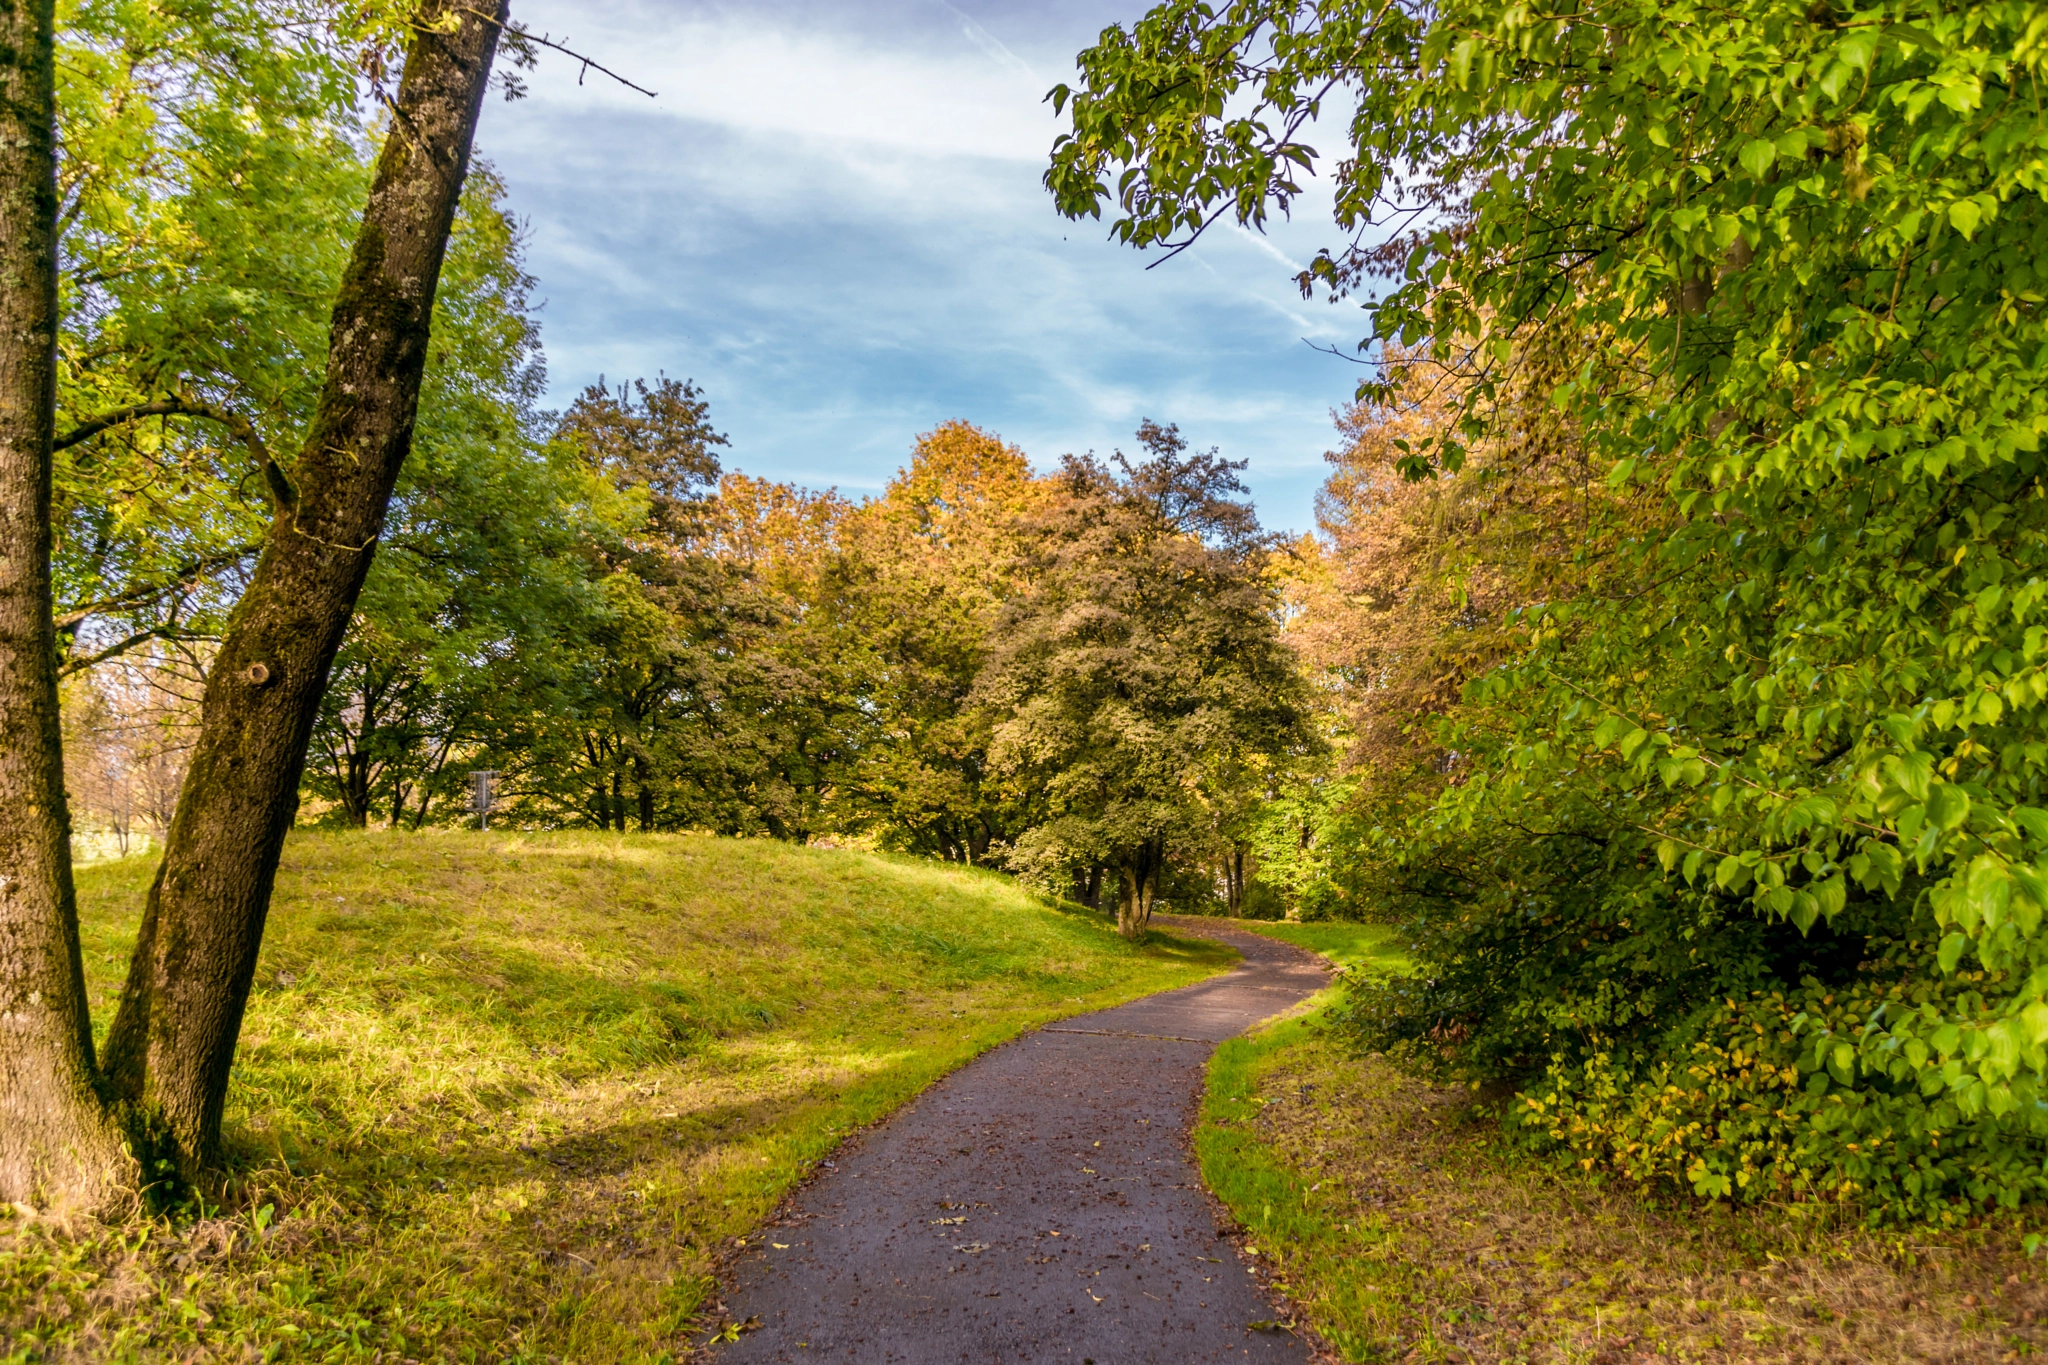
355, 789
646, 795
58, 1146
1132, 904
1140, 876
173, 1038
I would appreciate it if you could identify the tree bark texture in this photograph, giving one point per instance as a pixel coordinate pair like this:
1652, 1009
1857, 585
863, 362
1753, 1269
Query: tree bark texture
57, 1146
173, 1039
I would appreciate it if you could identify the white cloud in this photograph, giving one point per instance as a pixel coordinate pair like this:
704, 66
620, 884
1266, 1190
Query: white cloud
832, 219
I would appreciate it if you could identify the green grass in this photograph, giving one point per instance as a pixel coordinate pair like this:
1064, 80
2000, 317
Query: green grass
1395, 1223
1370, 946
506, 1097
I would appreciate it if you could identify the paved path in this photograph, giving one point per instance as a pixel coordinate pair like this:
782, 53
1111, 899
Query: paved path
1040, 1204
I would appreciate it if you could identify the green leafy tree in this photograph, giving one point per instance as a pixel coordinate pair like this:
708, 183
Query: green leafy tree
927, 568
172, 1041
212, 170
1805, 246
1142, 657
488, 558
662, 708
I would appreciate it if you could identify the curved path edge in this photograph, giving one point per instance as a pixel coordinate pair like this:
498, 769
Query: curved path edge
1042, 1203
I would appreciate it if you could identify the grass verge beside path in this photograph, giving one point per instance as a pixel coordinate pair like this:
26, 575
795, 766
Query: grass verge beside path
503, 1097
1390, 1218
1370, 946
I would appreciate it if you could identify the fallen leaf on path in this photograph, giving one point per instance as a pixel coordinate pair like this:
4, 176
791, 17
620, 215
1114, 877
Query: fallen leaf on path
732, 1331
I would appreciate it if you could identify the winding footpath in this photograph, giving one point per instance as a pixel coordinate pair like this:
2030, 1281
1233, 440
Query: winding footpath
1039, 1204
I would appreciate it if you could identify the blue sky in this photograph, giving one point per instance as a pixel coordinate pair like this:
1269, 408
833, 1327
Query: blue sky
831, 219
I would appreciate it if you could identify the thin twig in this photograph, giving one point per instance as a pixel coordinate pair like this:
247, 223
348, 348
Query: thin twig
527, 35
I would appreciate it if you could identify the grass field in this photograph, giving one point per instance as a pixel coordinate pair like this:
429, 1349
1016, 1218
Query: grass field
506, 1097
1398, 1227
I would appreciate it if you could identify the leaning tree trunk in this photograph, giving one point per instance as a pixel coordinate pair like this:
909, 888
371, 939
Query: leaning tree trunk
173, 1039
57, 1146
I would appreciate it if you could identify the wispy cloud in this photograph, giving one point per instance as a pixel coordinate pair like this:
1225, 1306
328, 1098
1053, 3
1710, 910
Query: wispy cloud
832, 219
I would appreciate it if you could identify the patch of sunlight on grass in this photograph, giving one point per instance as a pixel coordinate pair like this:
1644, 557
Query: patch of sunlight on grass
1371, 946
504, 1094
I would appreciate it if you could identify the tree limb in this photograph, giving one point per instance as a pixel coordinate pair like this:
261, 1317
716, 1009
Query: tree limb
168, 631
240, 427
182, 574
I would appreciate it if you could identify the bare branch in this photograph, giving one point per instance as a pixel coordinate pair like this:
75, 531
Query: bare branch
120, 647
528, 36
178, 577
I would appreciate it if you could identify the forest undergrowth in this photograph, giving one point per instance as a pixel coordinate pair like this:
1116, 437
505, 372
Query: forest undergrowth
507, 1097
1395, 1223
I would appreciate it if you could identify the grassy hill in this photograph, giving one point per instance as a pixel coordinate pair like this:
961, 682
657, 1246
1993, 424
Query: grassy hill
504, 1096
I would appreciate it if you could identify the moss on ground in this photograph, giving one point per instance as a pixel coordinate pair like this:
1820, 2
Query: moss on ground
1394, 1224
507, 1097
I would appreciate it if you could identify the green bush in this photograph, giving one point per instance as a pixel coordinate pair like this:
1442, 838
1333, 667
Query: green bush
1681, 1041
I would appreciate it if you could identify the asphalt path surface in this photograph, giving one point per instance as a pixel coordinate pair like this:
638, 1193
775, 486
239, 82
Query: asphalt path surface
1039, 1204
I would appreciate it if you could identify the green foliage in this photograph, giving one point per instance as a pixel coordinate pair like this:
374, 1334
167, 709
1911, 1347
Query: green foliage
1768, 1100
1142, 665
1801, 250
485, 559
213, 166
1305, 840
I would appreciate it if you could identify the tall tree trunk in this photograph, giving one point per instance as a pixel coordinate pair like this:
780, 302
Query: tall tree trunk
645, 786
57, 1144
173, 1038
